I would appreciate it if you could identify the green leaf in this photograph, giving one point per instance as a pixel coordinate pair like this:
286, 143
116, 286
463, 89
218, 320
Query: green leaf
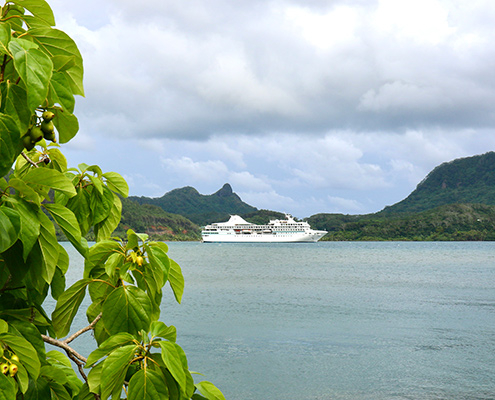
15, 104
30, 223
38, 390
113, 262
24, 190
67, 125
172, 360
67, 221
114, 369
39, 8
49, 179
79, 205
10, 145
147, 384
101, 205
126, 309
116, 183
58, 43
60, 93
210, 391
67, 306
5, 35
58, 160
113, 342
105, 228
132, 240
63, 63
159, 329
7, 388
176, 280
8, 233
25, 351
4, 327
159, 263
34, 68
49, 246
99, 253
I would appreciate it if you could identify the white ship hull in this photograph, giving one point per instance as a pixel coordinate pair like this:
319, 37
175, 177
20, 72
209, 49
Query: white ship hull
236, 230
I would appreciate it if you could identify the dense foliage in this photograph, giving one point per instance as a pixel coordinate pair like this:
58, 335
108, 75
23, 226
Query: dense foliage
200, 209
136, 355
158, 224
449, 222
465, 180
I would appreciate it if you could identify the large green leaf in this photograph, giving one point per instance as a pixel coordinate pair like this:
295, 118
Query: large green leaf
127, 309
8, 232
147, 384
39, 8
7, 388
210, 391
9, 143
109, 345
114, 369
58, 43
98, 254
116, 183
49, 246
30, 223
35, 69
176, 280
80, 206
159, 329
5, 35
67, 125
105, 228
15, 104
172, 360
67, 221
60, 92
25, 351
47, 178
67, 306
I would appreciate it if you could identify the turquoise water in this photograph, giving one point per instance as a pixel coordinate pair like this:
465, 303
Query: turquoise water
347, 320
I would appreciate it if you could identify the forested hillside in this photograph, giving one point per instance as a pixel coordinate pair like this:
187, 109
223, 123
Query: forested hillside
465, 180
200, 209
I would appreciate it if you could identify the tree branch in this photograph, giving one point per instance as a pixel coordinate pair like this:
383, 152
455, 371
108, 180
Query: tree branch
81, 331
65, 346
29, 160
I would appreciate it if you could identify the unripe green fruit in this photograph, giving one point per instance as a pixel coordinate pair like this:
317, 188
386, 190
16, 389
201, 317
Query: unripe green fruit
13, 369
50, 136
47, 127
48, 115
36, 134
4, 368
28, 143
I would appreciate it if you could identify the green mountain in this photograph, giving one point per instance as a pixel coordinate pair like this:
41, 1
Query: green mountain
456, 201
465, 180
200, 209
159, 224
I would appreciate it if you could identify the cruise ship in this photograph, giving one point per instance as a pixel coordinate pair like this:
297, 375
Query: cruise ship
236, 229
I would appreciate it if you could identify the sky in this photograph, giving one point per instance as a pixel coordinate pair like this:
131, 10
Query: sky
303, 106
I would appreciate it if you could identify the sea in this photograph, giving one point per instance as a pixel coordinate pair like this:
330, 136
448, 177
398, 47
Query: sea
334, 320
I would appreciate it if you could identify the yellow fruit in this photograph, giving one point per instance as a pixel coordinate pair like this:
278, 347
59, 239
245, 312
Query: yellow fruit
4, 368
14, 358
139, 260
48, 115
13, 369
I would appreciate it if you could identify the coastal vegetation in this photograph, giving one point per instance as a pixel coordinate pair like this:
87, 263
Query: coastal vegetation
136, 355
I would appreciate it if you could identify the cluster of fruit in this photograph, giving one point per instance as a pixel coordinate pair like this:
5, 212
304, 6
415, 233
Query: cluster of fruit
44, 130
9, 367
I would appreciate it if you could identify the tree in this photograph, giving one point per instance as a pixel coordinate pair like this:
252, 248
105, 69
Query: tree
135, 355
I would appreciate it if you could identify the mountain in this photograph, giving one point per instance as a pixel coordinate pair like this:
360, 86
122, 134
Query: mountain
159, 224
456, 201
200, 209
465, 180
